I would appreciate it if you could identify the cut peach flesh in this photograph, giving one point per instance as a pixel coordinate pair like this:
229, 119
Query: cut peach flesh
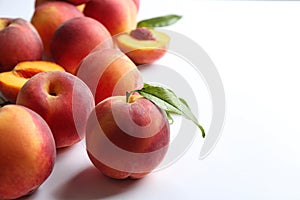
161, 41
144, 51
11, 82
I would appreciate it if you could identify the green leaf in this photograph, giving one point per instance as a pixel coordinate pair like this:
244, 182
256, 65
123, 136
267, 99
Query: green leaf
170, 118
184, 102
167, 100
161, 21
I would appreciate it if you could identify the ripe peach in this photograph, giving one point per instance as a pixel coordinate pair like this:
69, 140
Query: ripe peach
27, 151
127, 139
11, 82
109, 72
77, 2
80, 7
19, 41
39, 2
142, 45
117, 16
74, 40
48, 16
137, 4
63, 100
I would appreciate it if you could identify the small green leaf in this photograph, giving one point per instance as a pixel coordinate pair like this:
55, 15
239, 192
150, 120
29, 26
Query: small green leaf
162, 21
163, 104
167, 100
184, 102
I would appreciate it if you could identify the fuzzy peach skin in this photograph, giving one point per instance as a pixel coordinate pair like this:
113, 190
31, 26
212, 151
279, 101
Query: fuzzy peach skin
77, 2
137, 4
143, 45
63, 100
48, 16
19, 41
127, 139
27, 151
78, 5
39, 2
11, 82
74, 40
109, 72
117, 16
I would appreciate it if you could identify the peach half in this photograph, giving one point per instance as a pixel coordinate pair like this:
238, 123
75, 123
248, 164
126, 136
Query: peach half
143, 45
11, 82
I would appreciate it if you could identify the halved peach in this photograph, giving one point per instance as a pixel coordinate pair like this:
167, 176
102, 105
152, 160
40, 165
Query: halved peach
11, 82
143, 45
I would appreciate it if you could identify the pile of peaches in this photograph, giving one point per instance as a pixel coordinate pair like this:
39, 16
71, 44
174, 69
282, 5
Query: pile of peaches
68, 75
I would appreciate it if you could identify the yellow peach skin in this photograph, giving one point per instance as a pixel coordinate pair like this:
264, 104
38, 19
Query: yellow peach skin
63, 100
74, 40
117, 16
109, 72
127, 139
19, 41
11, 82
27, 151
79, 4
48, 16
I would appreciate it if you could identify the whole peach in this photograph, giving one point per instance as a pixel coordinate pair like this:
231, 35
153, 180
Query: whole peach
127, 138
63, 100
48, 16
27, 151
117, 16
109, 72
19, 41
74, 40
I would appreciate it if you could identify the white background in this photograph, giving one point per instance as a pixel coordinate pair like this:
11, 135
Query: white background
255, 45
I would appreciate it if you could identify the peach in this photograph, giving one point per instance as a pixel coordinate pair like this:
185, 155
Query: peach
80, 7
137, 4
27, 151
39, 2
117, 16
19, 41
11, 82
74, 40
109, 72
77, 2
127, 138
143, 45
48, 16
63, 100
